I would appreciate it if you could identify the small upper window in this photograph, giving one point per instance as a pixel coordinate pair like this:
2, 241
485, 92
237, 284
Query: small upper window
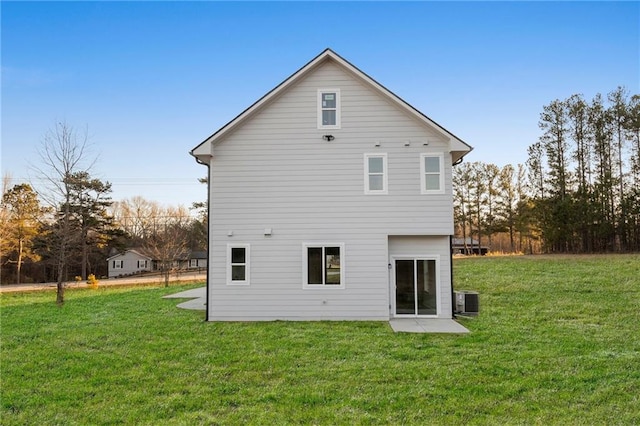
375, 173
432, 173
329, 109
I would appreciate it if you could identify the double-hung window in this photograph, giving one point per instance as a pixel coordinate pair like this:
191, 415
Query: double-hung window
323, 265
432, 173
118, 264
142, 264
375, 174
328, 108
238, 256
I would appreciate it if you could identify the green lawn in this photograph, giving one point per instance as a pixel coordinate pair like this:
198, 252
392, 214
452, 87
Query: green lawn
557, 342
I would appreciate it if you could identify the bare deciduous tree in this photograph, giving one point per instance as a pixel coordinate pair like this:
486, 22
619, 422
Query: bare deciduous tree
63, 152
168, 241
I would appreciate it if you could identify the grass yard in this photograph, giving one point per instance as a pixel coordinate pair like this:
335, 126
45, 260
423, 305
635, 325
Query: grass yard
557, 342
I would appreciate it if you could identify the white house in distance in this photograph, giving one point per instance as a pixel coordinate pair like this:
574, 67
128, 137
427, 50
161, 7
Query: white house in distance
330, 198
129, 262
138, 260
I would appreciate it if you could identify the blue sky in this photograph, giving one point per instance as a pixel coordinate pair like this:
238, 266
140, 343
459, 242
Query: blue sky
151, 80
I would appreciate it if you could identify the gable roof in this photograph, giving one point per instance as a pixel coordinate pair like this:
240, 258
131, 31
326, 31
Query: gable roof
139, 251
142, 252
198, 254
459, 148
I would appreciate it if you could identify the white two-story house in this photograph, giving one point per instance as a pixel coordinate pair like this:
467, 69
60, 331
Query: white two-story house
330, 198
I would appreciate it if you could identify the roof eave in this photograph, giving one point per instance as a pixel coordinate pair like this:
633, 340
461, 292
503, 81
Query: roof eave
204, 151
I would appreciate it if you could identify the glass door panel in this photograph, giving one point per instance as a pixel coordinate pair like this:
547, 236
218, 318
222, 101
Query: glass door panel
426, 288
405, 288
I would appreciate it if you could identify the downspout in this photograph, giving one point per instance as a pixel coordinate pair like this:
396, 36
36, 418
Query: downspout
206, 303
453, 295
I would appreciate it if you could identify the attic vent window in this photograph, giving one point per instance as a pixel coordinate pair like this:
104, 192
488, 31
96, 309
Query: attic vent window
329, 109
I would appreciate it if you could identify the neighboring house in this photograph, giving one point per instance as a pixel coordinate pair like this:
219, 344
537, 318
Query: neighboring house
132, 261
468, 246
138, 260
197, 259
330, 198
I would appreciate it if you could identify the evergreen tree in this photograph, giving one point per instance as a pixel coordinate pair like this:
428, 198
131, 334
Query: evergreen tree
604, 180
507, 202
462, 179
88, 203
581, 135
491, 176
617, 113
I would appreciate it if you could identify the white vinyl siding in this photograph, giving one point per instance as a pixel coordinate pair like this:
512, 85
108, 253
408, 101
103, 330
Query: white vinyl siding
432, 173
276, 172
329, 109
375, 174
323, 265
238, 264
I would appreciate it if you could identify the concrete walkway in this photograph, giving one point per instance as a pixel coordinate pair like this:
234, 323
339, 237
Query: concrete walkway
198, 296
426, 325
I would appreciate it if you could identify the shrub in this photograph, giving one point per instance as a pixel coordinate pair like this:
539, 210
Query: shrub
92, 281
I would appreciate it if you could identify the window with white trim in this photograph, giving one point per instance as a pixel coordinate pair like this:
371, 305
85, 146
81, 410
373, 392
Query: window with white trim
375, 173
118, 264
328, 108
323, 265
238, 261
142, 264
193, 263
432, 173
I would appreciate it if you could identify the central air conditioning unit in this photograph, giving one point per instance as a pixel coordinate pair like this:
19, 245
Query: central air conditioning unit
467, 302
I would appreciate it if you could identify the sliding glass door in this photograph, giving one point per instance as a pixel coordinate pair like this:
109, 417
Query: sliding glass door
415, 286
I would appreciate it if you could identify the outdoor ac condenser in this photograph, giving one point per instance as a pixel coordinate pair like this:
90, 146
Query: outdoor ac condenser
467, 302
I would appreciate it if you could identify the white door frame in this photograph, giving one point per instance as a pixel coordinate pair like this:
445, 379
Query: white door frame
392, 284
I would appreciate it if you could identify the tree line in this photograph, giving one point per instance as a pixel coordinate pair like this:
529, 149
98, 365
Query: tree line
69, 225
579, 191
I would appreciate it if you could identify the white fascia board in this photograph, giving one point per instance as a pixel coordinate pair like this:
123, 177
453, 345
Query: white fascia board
114, 256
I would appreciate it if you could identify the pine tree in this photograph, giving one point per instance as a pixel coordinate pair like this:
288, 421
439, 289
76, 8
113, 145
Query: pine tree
581, 136
88, 204
604, 181
617, 113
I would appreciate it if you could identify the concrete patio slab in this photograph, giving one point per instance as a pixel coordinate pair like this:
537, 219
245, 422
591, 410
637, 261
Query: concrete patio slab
426, 325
